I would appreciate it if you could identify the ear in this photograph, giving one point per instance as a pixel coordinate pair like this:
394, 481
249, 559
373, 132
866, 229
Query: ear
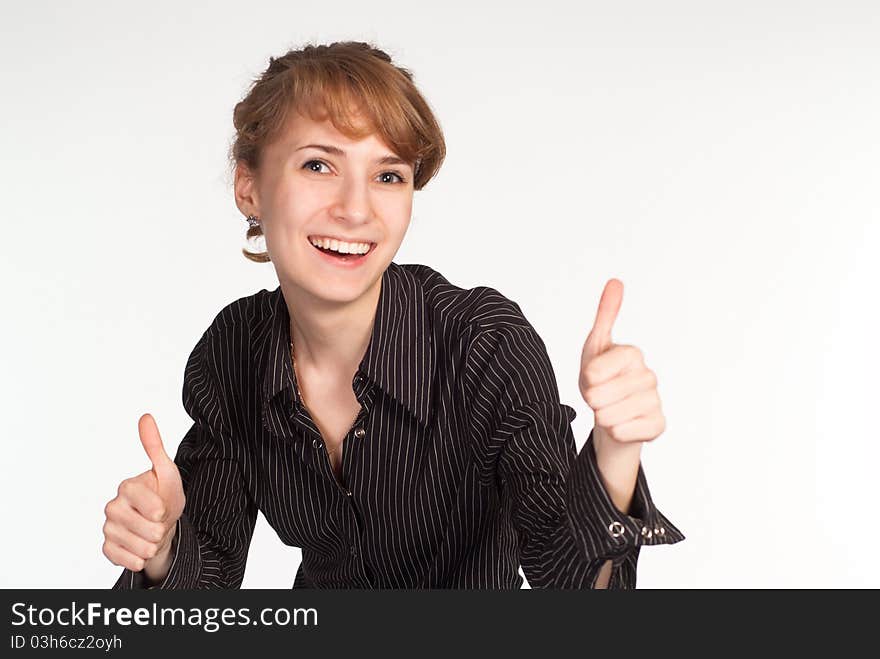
246, 193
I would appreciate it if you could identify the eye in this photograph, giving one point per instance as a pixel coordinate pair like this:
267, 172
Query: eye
314, 162
320, 163
400, 178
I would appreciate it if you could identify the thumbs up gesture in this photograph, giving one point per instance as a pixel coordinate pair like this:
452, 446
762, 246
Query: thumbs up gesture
142, 518
616, 384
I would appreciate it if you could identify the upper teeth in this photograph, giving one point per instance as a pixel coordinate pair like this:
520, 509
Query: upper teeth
339, 246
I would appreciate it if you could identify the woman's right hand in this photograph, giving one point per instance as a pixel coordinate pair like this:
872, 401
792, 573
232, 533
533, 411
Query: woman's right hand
142, 518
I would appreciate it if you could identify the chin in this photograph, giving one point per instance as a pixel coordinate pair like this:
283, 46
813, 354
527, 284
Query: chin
343, 287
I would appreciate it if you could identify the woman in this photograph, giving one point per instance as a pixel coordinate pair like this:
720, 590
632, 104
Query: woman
404, 432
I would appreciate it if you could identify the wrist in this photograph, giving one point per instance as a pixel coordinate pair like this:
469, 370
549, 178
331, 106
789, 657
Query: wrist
604, 444
618, 464
156, 568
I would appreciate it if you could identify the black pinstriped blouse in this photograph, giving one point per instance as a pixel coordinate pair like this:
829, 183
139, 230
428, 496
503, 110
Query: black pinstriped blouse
460, 467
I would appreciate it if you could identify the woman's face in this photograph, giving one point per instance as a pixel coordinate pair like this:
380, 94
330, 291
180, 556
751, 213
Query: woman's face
315, 183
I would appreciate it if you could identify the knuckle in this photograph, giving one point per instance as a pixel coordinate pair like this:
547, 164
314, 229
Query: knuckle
137, 564
590, 397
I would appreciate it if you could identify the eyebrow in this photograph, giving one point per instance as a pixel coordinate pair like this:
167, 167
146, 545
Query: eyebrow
336, 151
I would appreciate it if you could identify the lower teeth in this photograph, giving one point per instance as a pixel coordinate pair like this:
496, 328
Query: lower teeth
339, 255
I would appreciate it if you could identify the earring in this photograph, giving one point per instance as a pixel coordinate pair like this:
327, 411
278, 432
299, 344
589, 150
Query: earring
253, 220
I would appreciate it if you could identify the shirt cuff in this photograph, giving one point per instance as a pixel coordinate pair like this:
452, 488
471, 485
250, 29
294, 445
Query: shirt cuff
600, 527
185, 564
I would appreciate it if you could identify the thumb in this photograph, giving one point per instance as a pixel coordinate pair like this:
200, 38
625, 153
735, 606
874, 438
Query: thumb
168, 484
152, 443
599, 339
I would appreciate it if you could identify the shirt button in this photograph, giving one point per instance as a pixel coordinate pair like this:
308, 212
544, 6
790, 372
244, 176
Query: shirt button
348, 493
360, 432
646, 532
317, 443
615, 529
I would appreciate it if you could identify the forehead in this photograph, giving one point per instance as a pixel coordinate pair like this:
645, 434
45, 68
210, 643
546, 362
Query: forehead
302, 129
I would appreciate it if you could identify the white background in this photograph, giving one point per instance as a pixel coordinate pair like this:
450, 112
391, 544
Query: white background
719, 158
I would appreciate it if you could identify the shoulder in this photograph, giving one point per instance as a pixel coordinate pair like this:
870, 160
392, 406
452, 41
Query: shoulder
236, 328
244, 314
218, 371
464, 310
484, 335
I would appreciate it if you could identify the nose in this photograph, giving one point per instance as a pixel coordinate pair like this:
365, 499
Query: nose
353, 201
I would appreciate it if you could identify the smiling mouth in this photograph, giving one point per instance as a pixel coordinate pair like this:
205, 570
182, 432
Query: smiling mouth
344, 257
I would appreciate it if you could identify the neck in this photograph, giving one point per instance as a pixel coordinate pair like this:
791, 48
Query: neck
330, 338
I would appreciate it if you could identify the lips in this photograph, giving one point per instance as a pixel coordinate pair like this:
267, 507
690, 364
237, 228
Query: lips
343, 260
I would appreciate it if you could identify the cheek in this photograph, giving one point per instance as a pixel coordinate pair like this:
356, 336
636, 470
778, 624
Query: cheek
397, 216
298, 200
291, 209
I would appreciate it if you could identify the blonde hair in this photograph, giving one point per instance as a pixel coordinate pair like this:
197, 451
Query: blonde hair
331, 81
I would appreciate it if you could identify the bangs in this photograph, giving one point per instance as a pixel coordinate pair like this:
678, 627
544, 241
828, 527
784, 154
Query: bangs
359, 105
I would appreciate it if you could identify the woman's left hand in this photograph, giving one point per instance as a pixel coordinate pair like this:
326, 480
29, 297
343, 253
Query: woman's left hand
616, 384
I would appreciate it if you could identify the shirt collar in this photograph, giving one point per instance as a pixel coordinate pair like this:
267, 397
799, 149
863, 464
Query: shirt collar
399, 358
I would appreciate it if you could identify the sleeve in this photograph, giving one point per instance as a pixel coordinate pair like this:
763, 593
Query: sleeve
214, 532
566, 522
